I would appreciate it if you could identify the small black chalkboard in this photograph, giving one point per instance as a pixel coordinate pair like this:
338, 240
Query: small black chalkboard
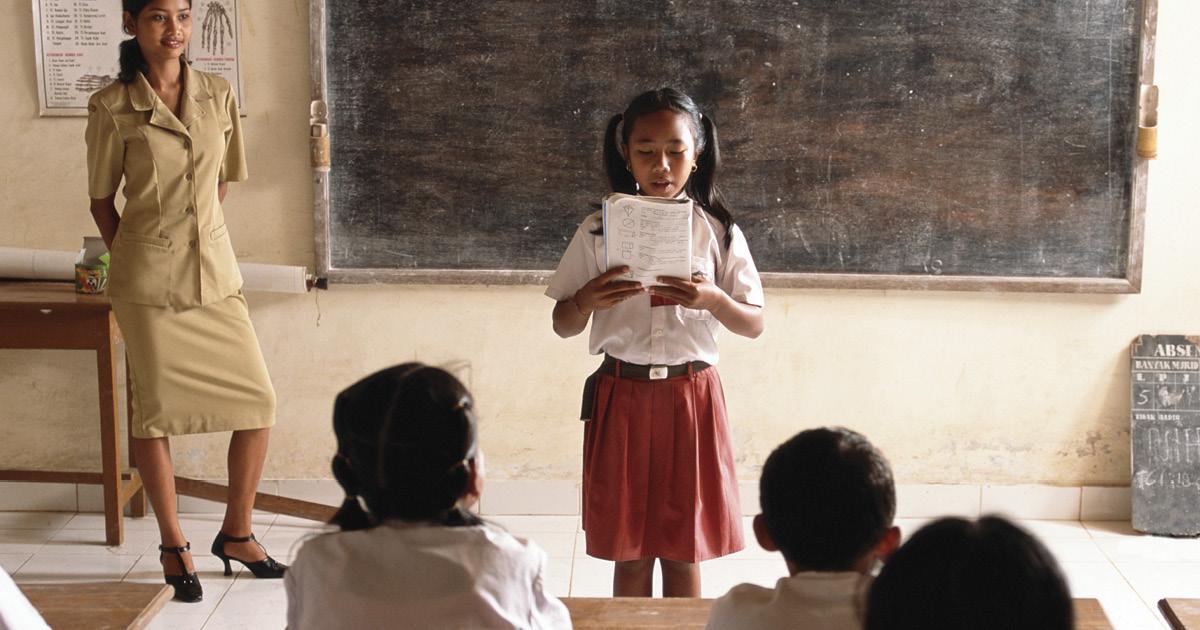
1165, 427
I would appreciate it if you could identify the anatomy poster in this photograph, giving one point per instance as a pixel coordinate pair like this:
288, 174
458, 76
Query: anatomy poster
216, 42
77, 44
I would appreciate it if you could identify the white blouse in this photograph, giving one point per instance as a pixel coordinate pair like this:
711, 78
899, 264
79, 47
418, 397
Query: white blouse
408, 575
635, 332
811, 600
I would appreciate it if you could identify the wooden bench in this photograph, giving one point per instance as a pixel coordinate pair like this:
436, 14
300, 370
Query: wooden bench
621, 613
97, 606
1182, 614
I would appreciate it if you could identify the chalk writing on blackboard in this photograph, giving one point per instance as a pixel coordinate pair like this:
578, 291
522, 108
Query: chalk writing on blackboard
865, 144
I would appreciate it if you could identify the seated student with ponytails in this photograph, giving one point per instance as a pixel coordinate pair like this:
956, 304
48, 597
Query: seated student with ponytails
415, 557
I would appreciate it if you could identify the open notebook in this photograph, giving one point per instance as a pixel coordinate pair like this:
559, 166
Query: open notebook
652, 235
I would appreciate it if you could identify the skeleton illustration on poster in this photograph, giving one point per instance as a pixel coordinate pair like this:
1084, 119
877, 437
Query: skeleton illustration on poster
215, 46
215, 28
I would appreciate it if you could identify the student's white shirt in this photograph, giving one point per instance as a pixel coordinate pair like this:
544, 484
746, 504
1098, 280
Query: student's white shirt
812, 601
405, 575
666, 335
16, 613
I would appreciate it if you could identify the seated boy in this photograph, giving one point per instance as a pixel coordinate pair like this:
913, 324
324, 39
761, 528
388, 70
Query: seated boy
828, 501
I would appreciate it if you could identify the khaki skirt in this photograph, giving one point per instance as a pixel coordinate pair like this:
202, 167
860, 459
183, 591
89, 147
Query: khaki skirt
198, 370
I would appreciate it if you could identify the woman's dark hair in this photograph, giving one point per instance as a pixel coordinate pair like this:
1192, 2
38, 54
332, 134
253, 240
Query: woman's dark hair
827, 498
404, 438
702, 185
131, 59
985, 575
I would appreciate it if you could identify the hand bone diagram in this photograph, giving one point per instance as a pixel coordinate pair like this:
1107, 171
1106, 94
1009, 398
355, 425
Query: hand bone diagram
215, 28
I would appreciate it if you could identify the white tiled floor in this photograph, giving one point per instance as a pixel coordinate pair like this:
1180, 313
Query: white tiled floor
1107, 560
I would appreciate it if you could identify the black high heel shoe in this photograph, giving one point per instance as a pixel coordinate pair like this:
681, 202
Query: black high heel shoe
266, 568
187, 586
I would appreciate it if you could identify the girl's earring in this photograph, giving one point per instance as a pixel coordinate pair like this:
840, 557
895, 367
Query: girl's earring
694, 167
627, 167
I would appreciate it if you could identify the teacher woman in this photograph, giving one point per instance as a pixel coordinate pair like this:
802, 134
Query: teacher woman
173, 134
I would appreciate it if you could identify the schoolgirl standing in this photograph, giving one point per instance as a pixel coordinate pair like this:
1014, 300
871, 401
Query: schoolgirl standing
658, 470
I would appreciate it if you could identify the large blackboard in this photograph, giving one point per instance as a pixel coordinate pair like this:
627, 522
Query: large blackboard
906, 139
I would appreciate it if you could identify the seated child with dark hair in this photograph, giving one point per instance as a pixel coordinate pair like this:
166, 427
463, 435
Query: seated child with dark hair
415, 557
984, 575
828, 501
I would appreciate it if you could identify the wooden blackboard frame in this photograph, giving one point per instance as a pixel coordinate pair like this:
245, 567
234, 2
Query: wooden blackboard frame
1131, 283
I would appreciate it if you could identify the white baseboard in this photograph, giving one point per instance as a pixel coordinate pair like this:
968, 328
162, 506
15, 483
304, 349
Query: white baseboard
562, 497
510, 496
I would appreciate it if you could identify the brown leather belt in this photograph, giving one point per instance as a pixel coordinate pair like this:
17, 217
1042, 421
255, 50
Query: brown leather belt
622, 369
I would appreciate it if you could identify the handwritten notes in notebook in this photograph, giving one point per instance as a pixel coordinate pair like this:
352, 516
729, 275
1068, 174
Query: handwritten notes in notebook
650, 234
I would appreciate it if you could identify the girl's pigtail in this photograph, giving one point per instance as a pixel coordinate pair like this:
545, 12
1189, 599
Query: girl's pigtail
350, 516
615, 165
131, 60
702, 185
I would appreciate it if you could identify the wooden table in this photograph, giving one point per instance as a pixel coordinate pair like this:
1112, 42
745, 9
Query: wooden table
1182, 614
98, 606
51, 316
620, 613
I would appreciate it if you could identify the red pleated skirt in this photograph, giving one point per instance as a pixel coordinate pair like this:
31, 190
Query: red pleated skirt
658, 471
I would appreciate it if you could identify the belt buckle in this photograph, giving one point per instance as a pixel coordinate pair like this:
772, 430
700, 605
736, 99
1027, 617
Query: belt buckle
658, 372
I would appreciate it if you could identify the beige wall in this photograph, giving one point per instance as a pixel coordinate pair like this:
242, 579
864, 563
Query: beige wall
956, 387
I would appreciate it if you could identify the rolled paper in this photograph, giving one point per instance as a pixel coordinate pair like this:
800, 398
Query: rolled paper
20, 263
36, 264
275, 278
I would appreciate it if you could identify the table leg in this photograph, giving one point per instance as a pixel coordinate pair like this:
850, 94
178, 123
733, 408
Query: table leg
137, 502
106, 366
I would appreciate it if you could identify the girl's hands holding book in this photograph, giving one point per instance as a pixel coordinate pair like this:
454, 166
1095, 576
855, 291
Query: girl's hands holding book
698, 293
606, 291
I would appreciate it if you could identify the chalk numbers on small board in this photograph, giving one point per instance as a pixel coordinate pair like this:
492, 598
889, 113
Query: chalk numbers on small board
1177, 391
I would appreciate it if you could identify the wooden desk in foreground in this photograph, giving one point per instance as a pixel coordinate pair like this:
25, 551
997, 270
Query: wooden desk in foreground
1182, 614
621, 613
99, 606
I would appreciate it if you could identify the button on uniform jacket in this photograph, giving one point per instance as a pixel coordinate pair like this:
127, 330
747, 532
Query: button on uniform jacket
172, 247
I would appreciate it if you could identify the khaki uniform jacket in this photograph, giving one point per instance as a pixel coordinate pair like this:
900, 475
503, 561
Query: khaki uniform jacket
172, 247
